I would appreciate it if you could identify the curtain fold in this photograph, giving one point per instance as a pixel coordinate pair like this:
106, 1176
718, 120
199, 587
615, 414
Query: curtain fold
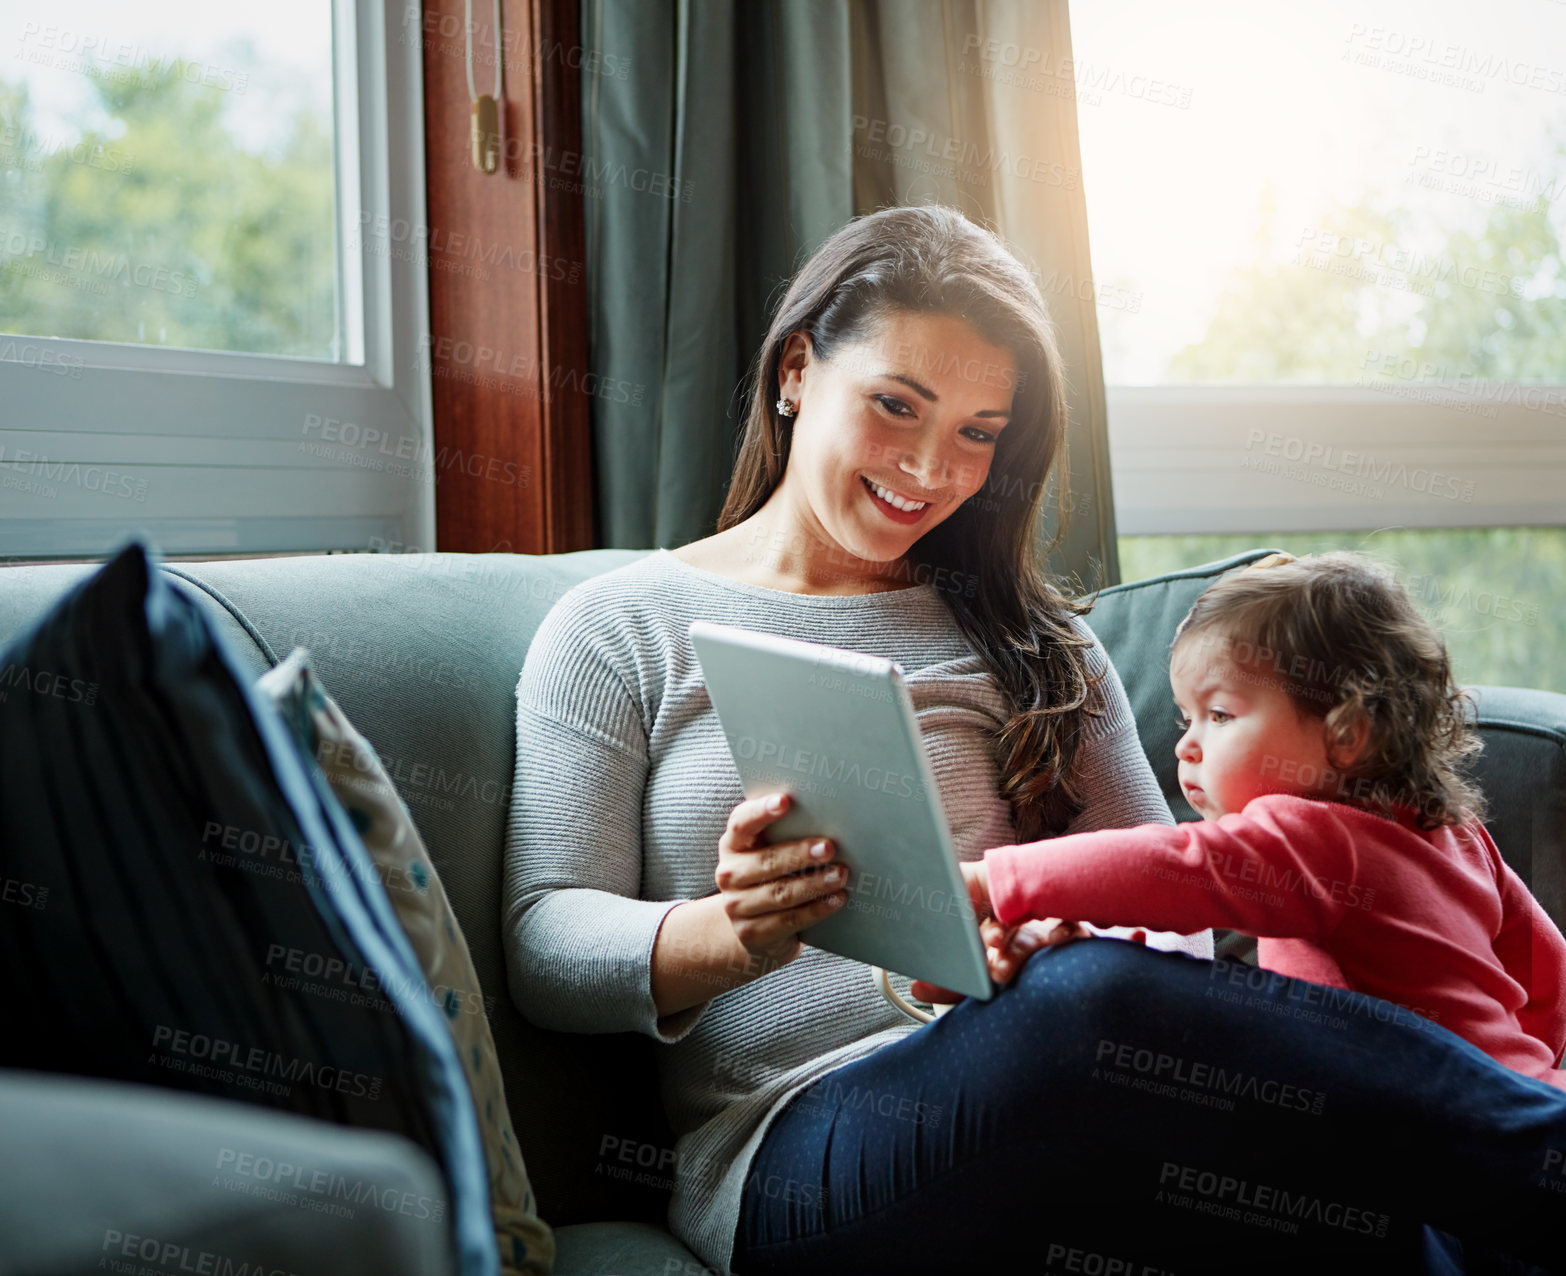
715, 158
773, 123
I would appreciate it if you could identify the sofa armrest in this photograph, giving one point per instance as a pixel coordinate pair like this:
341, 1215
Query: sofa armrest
95, 1174
1523, 774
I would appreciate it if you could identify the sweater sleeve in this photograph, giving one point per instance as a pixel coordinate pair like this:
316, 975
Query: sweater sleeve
1531, 948
1119, 789
1284, 867
578, 939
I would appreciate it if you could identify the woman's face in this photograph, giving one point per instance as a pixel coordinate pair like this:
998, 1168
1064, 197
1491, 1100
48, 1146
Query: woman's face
914, 410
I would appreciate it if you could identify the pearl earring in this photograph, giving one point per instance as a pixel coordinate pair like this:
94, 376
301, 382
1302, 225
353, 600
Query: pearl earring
785, 408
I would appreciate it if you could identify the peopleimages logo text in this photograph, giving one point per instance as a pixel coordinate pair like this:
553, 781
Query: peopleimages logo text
218, 1053
823, 766
1279, 1202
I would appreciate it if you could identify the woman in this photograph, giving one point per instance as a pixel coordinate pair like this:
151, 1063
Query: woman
907, 410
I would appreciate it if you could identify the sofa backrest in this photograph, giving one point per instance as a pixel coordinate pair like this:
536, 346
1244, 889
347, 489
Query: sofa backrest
423, 652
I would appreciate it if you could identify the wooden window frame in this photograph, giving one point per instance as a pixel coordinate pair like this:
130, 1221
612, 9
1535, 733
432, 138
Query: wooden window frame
507, 341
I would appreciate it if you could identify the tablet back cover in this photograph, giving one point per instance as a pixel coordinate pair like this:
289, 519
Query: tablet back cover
837, 730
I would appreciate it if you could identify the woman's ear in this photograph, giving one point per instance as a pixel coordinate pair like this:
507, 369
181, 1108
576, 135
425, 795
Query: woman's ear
793, 365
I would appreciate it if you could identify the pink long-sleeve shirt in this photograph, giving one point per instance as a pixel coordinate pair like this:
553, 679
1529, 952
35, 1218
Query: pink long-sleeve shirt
1434, 921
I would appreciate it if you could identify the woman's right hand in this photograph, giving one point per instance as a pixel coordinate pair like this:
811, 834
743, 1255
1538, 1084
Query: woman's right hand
772, 892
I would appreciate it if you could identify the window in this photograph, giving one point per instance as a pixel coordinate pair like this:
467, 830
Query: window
169, 178
1328, 266
1497, 594
209, 330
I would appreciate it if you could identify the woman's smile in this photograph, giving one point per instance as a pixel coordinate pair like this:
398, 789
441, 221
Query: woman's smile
905, 516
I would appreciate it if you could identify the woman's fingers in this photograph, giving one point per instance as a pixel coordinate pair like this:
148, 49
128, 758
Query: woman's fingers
750, 817
742, 869
933, 993
784, 893
744, 861
770, 931
772, 892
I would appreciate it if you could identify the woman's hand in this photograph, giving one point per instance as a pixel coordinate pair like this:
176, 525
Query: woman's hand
771, 893
1006, 948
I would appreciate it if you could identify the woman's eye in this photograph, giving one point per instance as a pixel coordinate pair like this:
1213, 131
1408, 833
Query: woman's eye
984, 435
895, 406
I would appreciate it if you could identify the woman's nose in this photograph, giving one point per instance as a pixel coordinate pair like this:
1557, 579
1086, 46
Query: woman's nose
930, 472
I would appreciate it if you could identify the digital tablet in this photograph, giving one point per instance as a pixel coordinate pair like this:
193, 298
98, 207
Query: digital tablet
837, 730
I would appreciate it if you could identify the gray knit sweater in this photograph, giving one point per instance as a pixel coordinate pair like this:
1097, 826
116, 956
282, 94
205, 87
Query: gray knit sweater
623, 787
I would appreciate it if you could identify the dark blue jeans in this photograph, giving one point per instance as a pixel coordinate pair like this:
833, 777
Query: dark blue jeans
1120, 1111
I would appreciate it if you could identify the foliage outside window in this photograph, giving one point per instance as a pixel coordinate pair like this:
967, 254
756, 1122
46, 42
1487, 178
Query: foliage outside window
152, 197
1497, 594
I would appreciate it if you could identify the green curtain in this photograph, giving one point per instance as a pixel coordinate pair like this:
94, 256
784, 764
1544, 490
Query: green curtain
715, 159
773, 122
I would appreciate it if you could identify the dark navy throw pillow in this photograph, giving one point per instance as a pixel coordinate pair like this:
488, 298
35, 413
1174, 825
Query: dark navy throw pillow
187, 904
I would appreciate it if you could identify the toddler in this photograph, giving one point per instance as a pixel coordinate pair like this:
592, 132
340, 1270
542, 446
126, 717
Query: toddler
1322, 746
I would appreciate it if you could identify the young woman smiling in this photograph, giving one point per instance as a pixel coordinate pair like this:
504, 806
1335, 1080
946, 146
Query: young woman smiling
906, 411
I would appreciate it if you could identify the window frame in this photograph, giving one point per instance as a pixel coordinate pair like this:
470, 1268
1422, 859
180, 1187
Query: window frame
211, 450
1187, 459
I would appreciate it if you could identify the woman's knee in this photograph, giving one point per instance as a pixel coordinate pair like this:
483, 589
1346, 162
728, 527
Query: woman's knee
1093, 975
1068, 999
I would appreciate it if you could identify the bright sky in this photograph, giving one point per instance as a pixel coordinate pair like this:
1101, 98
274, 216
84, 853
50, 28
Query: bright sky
1324, 100
289, 62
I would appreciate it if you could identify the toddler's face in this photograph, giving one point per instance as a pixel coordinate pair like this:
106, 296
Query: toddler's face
1243, 735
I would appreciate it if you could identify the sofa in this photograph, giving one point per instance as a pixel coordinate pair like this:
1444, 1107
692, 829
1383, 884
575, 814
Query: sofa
423, 652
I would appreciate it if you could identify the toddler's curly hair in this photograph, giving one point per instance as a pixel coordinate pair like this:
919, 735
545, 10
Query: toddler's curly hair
1338, 633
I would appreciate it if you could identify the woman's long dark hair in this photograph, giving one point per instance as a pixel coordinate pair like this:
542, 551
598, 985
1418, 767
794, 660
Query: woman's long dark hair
933, 260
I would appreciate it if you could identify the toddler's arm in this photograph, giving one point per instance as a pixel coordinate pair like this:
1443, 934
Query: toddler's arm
1285, 867
1117, 785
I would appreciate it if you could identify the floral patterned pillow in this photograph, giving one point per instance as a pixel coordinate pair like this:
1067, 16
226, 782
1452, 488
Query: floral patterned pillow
360, 782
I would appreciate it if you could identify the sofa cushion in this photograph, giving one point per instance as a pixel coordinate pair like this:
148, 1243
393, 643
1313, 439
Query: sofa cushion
102, 1176
413, 886
173, 835
623, 1249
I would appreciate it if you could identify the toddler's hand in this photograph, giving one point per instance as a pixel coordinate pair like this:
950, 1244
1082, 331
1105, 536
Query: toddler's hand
1007, 953
1005, 948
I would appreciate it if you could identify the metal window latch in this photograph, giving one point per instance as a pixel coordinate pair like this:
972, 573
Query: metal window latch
484, 109
485, 116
